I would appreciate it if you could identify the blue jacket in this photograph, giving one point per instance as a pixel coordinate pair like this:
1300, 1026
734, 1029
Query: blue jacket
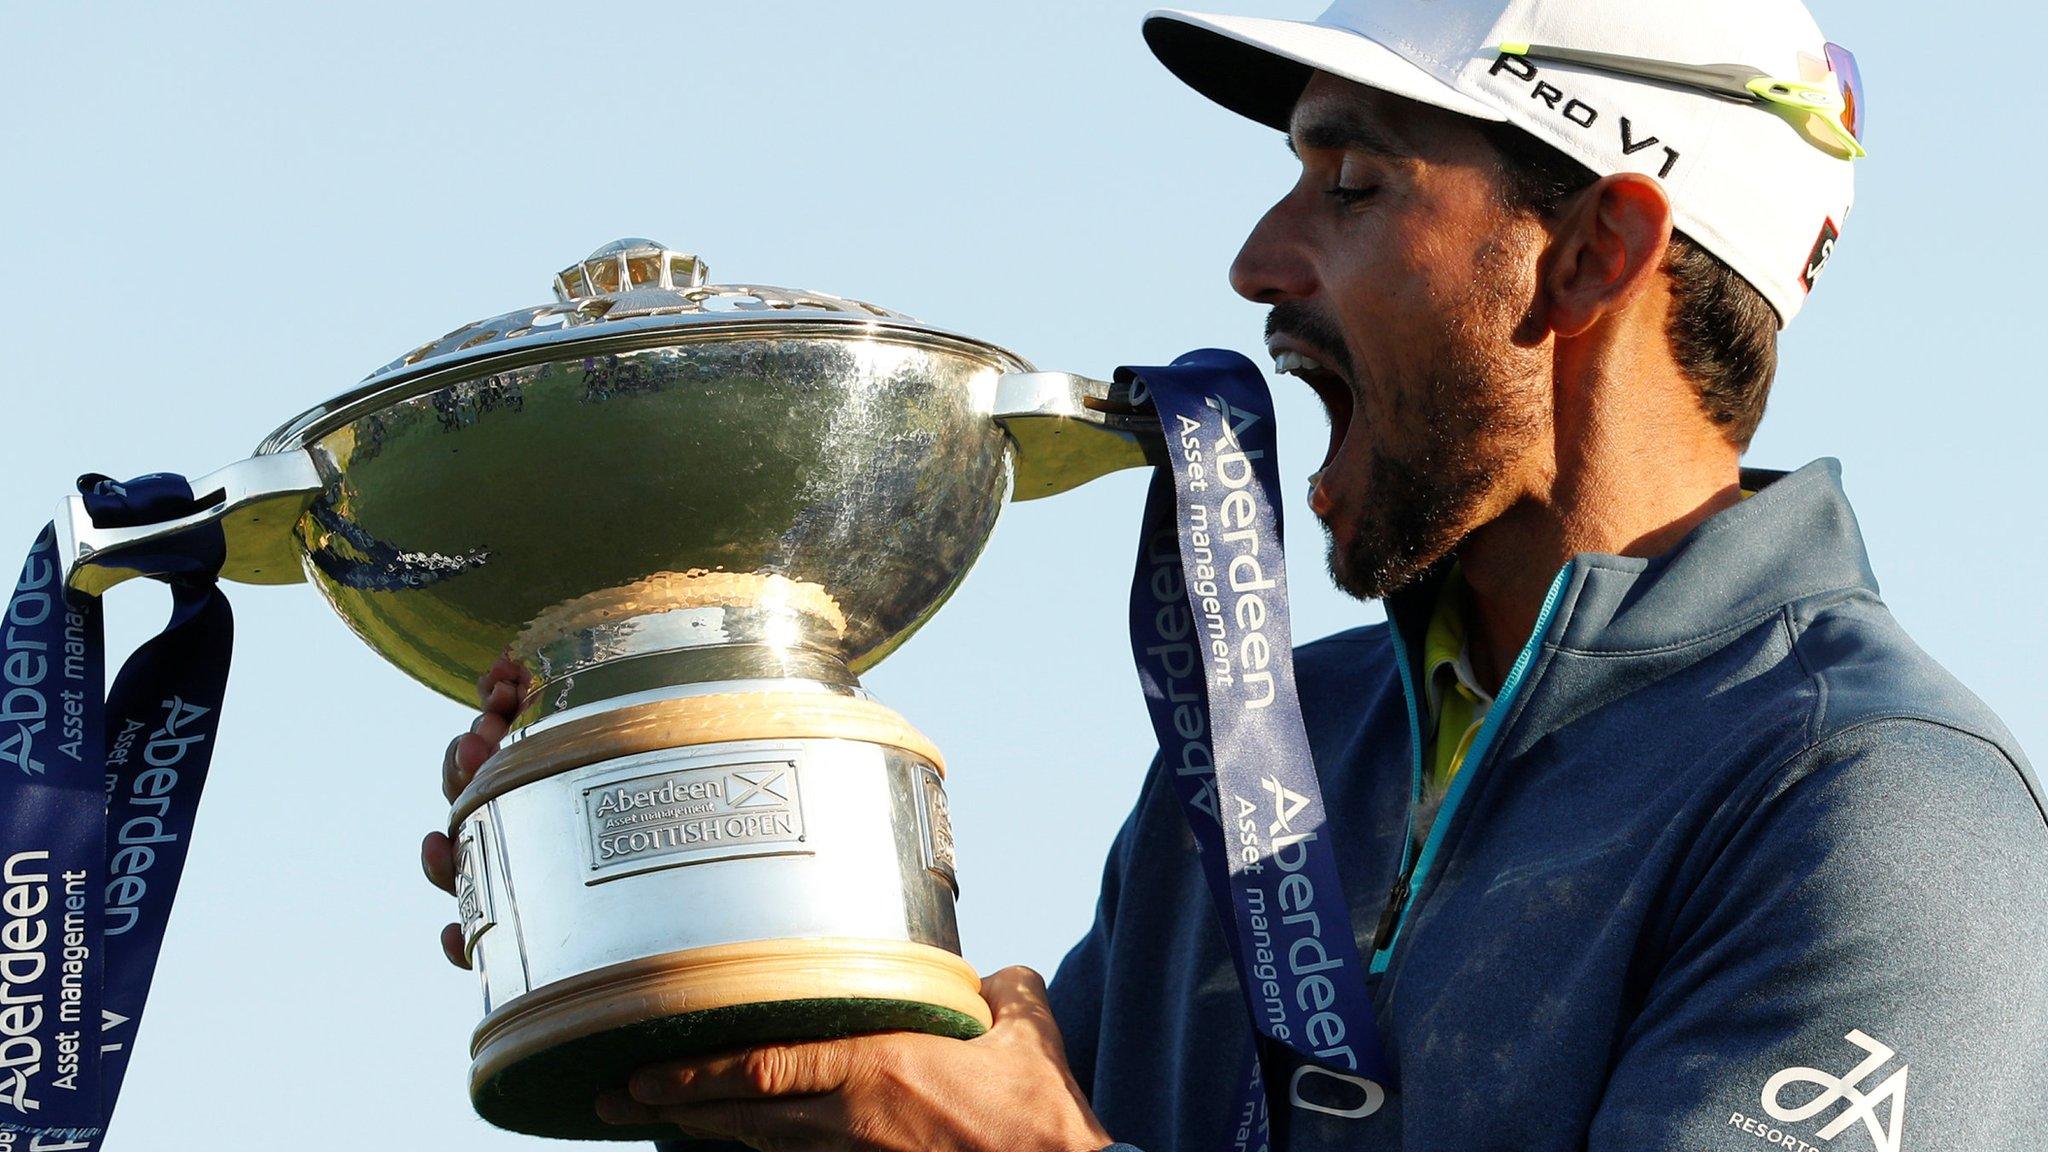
1733, 864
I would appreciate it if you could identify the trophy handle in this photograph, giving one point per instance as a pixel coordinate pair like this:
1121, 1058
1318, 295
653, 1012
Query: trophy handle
256, 503
1068, 430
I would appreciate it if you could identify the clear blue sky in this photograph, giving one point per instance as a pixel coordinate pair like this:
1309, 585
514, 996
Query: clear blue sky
215, 216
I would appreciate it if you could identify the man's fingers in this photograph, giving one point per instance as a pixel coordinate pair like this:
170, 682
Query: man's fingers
502, 699
466, 753
503, 670
491, 727
758, 1073
452, 780
451, 945
618, 1107
801, 1122
437, 860
484, 682
499, 692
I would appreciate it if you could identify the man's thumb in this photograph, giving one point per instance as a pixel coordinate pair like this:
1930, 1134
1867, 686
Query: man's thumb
1017, 996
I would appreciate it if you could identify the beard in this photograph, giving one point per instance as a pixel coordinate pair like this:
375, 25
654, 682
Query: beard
1477, 408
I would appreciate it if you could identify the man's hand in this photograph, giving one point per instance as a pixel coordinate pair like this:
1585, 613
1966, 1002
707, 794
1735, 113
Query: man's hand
1008, 1090
498, 692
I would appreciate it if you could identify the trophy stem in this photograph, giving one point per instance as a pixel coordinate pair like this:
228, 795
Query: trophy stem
686, 672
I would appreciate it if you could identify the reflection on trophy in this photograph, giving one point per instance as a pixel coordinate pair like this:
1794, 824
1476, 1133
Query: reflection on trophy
694, 514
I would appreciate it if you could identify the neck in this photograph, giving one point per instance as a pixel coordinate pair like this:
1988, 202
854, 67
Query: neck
1636, 499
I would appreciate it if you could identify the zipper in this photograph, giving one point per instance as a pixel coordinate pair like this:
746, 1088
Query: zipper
1415, 867
1383, 935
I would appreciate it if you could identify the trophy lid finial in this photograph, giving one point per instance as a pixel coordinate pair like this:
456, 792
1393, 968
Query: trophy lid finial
637, 279
625, 265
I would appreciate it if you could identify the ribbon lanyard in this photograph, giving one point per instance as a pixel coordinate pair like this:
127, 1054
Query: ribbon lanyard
98, 792
1210, 633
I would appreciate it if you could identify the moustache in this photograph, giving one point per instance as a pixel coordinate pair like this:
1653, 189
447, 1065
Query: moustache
1295, 319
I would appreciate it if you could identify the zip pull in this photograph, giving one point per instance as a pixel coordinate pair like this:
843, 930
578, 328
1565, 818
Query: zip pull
1390, 916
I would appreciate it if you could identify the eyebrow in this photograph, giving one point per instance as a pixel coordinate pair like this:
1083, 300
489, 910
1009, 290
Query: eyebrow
1339, 134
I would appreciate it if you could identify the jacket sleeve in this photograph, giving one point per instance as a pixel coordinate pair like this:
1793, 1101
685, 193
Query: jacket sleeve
1864, 965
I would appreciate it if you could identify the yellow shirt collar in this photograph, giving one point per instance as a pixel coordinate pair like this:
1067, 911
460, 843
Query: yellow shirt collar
1444, 647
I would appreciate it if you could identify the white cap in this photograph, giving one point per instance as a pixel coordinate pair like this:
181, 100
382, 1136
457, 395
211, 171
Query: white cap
1745, 182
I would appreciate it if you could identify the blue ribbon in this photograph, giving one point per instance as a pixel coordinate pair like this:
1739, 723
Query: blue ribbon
1210, 633
98, 794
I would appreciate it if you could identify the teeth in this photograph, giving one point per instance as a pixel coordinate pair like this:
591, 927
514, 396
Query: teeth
1290, 362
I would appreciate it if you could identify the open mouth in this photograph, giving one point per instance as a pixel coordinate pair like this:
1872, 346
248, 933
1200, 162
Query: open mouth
1329, 387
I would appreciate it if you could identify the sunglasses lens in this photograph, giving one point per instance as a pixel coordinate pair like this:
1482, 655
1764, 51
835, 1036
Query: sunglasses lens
1855, 110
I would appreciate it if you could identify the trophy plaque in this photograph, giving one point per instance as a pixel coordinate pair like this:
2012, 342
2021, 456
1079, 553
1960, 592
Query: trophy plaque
693, 514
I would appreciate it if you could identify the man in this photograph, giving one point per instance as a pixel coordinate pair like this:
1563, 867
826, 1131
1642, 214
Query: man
1659, 833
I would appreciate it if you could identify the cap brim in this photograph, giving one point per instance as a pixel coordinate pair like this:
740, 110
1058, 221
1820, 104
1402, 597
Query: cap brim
1258, 68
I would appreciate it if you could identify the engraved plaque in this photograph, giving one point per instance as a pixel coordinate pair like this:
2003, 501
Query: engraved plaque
687, 815
472, 885
935, 823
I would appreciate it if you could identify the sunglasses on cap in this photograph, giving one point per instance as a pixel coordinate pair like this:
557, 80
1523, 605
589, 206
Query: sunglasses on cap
1829, 108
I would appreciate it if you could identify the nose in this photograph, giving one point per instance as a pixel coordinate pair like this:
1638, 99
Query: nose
1273, 265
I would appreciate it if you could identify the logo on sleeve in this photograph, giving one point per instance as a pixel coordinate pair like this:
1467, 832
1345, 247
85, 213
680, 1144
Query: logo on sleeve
1798, 1095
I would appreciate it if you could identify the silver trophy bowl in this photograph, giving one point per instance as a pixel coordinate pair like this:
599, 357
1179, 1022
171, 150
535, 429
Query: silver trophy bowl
692, 514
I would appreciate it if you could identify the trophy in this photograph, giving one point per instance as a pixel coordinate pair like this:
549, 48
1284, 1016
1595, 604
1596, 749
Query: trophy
694, 514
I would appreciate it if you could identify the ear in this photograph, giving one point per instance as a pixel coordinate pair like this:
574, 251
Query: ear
1606, 252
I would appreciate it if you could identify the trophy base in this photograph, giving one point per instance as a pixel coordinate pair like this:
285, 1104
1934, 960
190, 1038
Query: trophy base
541, 1060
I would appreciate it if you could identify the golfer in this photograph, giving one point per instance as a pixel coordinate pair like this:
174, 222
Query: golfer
1659, 833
